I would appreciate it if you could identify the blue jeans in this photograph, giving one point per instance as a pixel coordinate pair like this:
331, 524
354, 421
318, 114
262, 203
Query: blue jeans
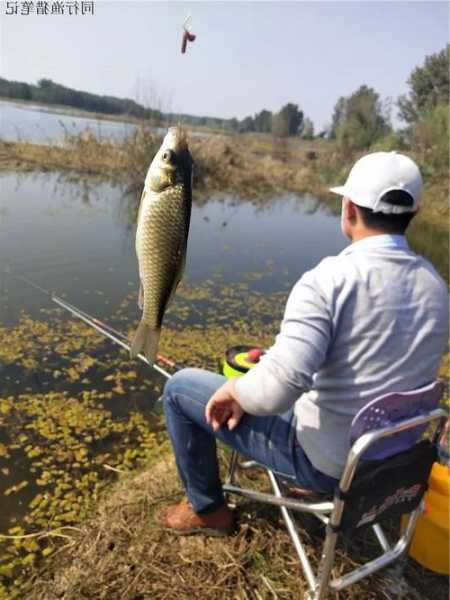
271, 441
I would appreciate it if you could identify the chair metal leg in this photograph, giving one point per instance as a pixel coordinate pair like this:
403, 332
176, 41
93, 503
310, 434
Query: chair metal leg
326, 564
232, 468
292, 529
382, 561
382, 539
318, 509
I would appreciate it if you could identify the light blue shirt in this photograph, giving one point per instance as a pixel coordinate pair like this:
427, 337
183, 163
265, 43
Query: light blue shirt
372, 320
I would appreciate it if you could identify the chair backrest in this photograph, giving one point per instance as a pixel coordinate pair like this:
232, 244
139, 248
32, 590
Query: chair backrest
388, 410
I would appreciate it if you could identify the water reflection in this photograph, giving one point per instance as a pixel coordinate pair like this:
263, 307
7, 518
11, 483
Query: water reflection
78, 238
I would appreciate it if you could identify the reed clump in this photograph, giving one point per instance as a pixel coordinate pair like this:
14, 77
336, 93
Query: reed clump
249, 166
225, 164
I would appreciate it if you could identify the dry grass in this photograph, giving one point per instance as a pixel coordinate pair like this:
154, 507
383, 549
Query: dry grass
223, 164
79, 156
249, 166
121, 553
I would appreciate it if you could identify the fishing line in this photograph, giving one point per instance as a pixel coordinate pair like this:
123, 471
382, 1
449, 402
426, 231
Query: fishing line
103, 328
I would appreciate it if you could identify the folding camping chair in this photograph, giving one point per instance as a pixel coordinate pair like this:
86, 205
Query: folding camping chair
385, 475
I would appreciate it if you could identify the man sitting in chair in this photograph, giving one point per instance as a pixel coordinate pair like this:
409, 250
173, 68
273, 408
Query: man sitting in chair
369, 321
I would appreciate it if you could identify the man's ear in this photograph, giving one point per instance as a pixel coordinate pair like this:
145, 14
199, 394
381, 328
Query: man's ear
351, 211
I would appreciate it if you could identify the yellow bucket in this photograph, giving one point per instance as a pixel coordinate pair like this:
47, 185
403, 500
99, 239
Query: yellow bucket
430, 543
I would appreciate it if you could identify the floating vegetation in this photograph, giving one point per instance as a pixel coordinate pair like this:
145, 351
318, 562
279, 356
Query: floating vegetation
75, 410
65, 442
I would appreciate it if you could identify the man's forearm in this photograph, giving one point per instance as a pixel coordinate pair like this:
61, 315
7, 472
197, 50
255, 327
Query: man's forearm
266, 390
287, 370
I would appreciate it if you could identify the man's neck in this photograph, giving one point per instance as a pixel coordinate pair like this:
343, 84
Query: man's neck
365, 233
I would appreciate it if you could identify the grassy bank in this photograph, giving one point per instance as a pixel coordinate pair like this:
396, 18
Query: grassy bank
250, 166
120, 552
222, 163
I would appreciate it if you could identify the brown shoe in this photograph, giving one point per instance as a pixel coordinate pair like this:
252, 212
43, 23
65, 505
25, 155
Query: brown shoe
181, 519
299, 493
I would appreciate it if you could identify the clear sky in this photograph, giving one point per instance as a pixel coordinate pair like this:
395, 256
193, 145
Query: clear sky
247, 56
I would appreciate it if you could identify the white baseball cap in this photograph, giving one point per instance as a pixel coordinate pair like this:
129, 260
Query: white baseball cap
373, 175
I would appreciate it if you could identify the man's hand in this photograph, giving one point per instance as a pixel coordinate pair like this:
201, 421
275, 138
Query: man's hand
223, 407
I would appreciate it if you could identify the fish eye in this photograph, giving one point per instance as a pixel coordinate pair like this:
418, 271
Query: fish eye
168, 156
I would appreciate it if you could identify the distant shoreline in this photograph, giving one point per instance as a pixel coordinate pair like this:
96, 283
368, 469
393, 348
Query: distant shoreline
70, 111
60, 109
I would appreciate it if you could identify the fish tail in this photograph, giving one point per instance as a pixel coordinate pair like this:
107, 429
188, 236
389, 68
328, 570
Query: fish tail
145, 341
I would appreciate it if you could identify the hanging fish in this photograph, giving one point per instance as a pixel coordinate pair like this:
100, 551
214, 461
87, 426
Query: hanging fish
187, 36
161, 236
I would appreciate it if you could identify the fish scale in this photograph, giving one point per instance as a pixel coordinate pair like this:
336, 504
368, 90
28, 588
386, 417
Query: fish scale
164, 216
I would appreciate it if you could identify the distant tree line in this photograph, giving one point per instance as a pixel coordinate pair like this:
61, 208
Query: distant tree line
49, 92
288, 121
202, 121
359, 120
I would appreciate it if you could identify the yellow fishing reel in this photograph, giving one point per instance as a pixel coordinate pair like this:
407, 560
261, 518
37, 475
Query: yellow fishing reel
240, 359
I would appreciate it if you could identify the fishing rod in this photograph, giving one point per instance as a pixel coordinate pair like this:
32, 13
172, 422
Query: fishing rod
103, 328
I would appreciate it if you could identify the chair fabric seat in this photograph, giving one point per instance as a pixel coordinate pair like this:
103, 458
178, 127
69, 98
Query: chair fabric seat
387, 488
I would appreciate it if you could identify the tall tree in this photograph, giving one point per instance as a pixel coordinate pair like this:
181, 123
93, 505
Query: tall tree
247, 124
289, 121
360, 120
429, 86
338, 116
263, 121
279, 126
233, 124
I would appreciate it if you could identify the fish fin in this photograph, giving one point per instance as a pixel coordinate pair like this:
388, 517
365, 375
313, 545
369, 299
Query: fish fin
176, 283
141, 204
141, 297
145, 341
179, 273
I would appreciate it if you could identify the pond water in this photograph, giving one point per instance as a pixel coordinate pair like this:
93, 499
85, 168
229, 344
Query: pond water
32, 123
78, 241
